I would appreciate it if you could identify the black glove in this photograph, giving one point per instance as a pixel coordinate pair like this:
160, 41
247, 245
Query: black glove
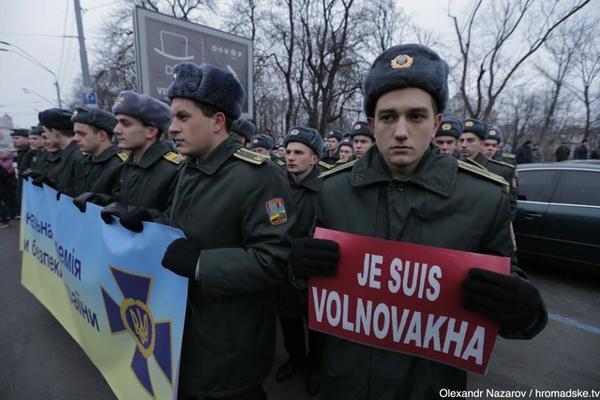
39, 179
310, 257
131, 217
96, 198
181, 257
509, 300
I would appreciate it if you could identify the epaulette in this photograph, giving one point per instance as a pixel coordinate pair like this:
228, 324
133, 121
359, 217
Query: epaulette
173, 157
337, 169
325, 165
475, 163
123, 155
509, 155
280, 162
249, 156
482, 172
504, 164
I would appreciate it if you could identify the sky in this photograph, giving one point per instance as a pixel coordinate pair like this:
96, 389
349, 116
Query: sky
36, 26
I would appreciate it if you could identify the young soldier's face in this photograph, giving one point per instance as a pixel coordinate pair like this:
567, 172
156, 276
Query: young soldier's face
132, 134
87, 139
361, 144
490, 147
345, 153
194, 133
332, 144
36, 142
299, 158
469, 144
20, 142
404, 125
446, 144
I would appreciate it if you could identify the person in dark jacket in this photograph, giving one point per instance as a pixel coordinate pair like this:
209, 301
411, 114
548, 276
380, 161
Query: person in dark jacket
446, 137
563, 152
57, 123
229, 333
346, 152
101, 167
20, 139
524, 153
414, 195
332, 152
581, 151
245, 129
303, 146
148, 176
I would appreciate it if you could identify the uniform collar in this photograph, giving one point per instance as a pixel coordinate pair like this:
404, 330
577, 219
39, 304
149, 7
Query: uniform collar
213, 162
106, 154
434, 172
310, 181
152, 155
71, 147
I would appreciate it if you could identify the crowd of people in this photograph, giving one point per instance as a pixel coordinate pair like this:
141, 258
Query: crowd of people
249, 209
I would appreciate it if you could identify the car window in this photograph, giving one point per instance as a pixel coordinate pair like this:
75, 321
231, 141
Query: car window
578, 187
536, 185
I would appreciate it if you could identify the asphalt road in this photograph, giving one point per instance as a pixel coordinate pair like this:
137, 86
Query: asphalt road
39, 360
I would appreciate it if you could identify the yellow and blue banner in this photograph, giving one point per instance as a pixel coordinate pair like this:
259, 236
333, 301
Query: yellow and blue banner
106, 286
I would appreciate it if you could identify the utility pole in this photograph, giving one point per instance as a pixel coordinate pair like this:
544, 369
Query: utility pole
82, 52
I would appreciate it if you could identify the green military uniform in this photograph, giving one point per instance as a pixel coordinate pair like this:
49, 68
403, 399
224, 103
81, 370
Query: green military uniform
66, 181
506, 171
425, 208
235, 206
150, 181
101, 174
48, 163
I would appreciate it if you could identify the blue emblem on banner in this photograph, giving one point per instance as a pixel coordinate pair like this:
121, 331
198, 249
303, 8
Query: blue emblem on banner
152, 338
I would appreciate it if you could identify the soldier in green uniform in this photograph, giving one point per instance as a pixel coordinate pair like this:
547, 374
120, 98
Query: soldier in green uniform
148, 176
332, 152
229, 334
492, 146
471, 147
101, 167
402, 190
362, 138
60, 132
36, 143
303, 147
263, 145
446, 137
346, 152
20, 139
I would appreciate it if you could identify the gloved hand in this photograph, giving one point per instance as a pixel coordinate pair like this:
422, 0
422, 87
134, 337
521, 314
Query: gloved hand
181, 257
509, 300
39, 179
91, 197
310, 257
131, 217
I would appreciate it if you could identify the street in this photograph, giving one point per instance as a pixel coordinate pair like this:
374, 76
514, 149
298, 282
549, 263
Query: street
41, 361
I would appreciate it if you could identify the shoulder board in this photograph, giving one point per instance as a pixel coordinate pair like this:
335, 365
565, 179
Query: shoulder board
504, 164
325, 165
173, 157
123, 155
482, 172
337, 169
475, 163
280, 162
249, 156
509, 155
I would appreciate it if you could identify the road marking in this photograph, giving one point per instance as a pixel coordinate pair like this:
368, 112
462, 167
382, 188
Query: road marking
576, 324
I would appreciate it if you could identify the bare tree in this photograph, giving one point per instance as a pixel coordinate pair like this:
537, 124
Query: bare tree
496, 39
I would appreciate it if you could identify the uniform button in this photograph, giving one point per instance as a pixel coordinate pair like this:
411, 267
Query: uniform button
401, 188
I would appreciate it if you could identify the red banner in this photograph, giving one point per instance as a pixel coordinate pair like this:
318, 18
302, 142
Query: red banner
404, 297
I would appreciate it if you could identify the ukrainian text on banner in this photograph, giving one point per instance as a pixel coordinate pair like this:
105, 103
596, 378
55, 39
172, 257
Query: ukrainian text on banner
106, 286
404, 297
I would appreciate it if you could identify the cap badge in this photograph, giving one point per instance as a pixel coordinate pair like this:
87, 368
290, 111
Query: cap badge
401, 61
75, 113
119, 100
294, 132
446, 127
255, 141
469, 124
492, 133
357, 126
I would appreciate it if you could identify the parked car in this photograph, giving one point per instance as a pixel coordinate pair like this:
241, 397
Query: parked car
558, 212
